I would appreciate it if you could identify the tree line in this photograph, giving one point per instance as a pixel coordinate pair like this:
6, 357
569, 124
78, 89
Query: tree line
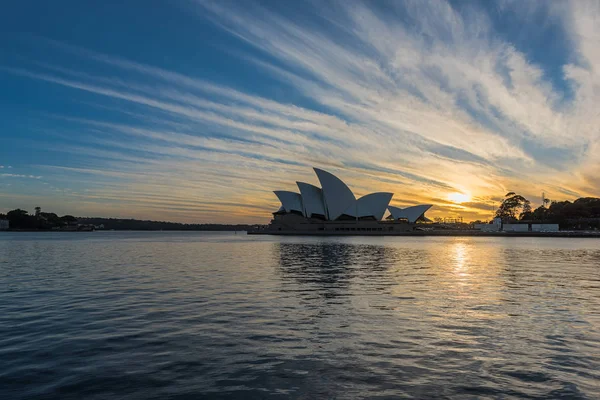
583, 213
21, 219
142, 225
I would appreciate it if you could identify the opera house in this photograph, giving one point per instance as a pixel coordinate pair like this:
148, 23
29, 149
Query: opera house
333, 209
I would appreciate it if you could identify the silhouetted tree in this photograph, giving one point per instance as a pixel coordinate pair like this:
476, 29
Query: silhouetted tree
20, 219
539, 214
525, 210
512, 205
50, 220
583, 213
68, 219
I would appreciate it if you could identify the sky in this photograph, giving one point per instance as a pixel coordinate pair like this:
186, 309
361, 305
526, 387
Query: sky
195, 111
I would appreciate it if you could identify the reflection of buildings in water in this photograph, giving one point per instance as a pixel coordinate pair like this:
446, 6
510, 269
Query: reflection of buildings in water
448, 269
331, 266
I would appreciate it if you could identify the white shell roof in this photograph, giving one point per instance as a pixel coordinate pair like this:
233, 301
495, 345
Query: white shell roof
312, 199
291, 201
335, 199
338, 197
411, 213
370, 205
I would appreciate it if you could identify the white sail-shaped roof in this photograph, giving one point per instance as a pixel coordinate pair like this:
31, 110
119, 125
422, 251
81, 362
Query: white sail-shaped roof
374, 204
312, 199
411, 213
338, 197
370, 205
291, 201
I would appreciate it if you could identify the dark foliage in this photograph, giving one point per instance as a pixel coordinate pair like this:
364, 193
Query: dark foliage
68, 219
138, 225
513, 205
583, 213
20, 219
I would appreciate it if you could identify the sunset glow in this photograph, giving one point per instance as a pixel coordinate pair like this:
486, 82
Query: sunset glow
438, 102
459, 197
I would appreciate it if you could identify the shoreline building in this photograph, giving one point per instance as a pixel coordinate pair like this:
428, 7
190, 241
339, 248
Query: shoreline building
498, 226
4, 224
334, 209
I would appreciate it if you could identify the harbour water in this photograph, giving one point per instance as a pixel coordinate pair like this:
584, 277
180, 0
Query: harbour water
157, 315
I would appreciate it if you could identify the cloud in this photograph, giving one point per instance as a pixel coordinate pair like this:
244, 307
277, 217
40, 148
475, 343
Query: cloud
20, 176
422, 99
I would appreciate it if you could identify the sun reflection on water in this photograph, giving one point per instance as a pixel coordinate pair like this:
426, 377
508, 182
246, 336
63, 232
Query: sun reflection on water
460, 256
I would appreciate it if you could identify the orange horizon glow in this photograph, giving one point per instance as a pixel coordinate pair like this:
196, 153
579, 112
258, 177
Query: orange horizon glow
459, 198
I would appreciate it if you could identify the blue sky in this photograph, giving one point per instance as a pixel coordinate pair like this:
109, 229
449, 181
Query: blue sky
196, 110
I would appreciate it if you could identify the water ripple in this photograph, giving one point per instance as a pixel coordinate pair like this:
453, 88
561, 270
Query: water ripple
193, 315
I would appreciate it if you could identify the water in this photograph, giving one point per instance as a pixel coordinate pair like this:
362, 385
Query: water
159, 315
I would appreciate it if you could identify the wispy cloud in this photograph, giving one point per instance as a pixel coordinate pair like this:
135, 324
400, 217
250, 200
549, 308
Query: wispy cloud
421, 100
20, 176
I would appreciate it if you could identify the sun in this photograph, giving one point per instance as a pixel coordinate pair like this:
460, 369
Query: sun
458, 197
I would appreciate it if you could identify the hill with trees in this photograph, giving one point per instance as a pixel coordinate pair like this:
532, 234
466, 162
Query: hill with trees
583, 213
141, 225
21, 220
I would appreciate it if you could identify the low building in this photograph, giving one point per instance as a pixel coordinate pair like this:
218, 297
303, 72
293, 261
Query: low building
4, 224
495, 226
544, 228
498, 226
528, 227
516, 227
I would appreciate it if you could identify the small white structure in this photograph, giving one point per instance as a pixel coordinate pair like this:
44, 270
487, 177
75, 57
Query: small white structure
498, 226
488, 227
495, 226
4, 225
544, 228
515, 227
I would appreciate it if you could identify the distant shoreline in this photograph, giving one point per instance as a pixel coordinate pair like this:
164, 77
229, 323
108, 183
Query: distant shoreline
465, 233
457, 233
122, 230
21, 221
